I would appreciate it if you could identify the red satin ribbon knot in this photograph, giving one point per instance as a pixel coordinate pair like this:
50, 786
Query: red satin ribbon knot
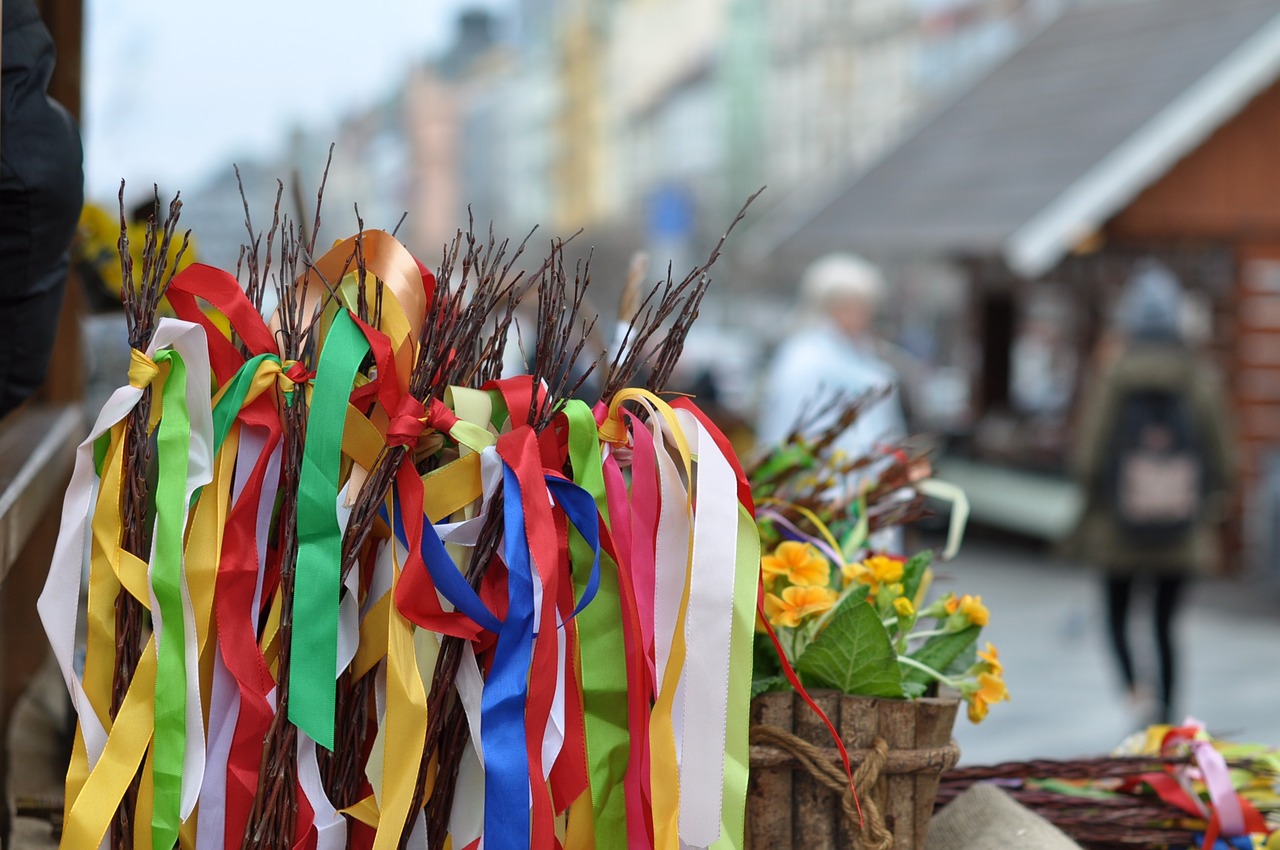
299, 373
412, 419
408, 423
440, 417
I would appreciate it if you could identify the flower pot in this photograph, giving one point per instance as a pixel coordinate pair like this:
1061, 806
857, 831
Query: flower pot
798, 793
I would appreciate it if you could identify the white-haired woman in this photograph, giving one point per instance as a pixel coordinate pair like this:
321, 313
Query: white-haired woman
834, 351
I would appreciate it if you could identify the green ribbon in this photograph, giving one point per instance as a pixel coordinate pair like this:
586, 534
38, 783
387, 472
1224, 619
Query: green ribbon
232, 400
313, 647
737, 748
604, 659
173, 445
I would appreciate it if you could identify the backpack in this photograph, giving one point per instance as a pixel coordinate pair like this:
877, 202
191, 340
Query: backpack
1156, 474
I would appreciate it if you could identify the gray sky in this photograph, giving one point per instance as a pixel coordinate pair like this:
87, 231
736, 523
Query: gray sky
175, 89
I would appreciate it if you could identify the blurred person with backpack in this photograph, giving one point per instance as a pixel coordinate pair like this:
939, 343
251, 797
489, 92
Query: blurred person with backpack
1154, 456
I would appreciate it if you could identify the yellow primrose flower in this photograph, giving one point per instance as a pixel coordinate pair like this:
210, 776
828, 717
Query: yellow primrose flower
799, 563
854, 572
992, 658
772, 568
971, 610
875, 571
796, 604
951, 603
883, 569
904, 607
991, 689
972, 607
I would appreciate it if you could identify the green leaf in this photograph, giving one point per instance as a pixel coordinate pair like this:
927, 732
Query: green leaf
913, 572
940, 651
769, 685
965, 659
784, 459
914, 690
853, 655
856, 596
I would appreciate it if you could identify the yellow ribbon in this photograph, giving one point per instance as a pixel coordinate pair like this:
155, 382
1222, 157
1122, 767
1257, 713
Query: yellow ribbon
142, 369
361, 439
406, 727
452, 487
90, 812
204, 550
614, 421
365, 811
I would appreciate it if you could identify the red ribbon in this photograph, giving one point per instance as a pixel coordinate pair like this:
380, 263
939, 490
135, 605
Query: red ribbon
726, 448
415, 594
299, 373
790, 673
518, 448
408, 422
238, 628
224, 293
440, 417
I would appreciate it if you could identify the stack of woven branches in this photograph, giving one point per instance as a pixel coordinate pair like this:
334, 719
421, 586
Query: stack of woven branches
1096, 822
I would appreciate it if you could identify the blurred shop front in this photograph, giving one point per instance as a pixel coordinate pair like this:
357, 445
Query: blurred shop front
1010, 219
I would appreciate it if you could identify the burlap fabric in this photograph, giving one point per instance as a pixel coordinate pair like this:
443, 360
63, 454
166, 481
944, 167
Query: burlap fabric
986, 818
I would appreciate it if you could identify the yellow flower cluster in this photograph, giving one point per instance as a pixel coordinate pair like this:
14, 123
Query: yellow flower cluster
797, 604
970, 608
990, 687
799, 563
874, 571
807, 573
98, 246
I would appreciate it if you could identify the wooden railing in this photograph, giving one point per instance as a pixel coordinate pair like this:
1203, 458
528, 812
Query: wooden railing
37, 451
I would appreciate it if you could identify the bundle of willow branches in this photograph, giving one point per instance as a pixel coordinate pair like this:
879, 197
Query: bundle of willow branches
375, 592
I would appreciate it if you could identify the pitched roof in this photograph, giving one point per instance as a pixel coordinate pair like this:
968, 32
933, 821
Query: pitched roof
1058, 138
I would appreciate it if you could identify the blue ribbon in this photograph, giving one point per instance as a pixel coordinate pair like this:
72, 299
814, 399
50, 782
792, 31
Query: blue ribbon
580, 507
502, 706
448, 579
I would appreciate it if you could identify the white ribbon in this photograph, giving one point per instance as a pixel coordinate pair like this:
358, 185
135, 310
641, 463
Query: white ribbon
59, 601
708, 632
224, 700
331, 827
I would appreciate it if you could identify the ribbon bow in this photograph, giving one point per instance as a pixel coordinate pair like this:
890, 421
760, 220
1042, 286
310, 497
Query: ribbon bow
412, 418
292, 373
142, 369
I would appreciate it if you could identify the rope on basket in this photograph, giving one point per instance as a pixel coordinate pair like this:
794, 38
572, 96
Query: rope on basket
873, 835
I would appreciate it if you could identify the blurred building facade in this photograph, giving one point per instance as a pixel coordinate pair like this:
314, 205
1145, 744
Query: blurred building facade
653, 116
647, 123
1122, 131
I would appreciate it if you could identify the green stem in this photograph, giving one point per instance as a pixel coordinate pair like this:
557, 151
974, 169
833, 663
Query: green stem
930, 633
925, 668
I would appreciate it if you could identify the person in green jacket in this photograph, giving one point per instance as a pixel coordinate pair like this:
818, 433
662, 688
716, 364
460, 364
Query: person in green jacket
1155, 459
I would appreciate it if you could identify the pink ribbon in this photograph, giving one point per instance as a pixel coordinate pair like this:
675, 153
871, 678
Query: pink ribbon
1217, 780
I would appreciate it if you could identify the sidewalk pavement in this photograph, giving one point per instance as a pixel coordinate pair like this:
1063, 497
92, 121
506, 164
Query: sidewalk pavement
1066, 700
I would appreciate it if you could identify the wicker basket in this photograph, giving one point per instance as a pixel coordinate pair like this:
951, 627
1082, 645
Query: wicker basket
898, 749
